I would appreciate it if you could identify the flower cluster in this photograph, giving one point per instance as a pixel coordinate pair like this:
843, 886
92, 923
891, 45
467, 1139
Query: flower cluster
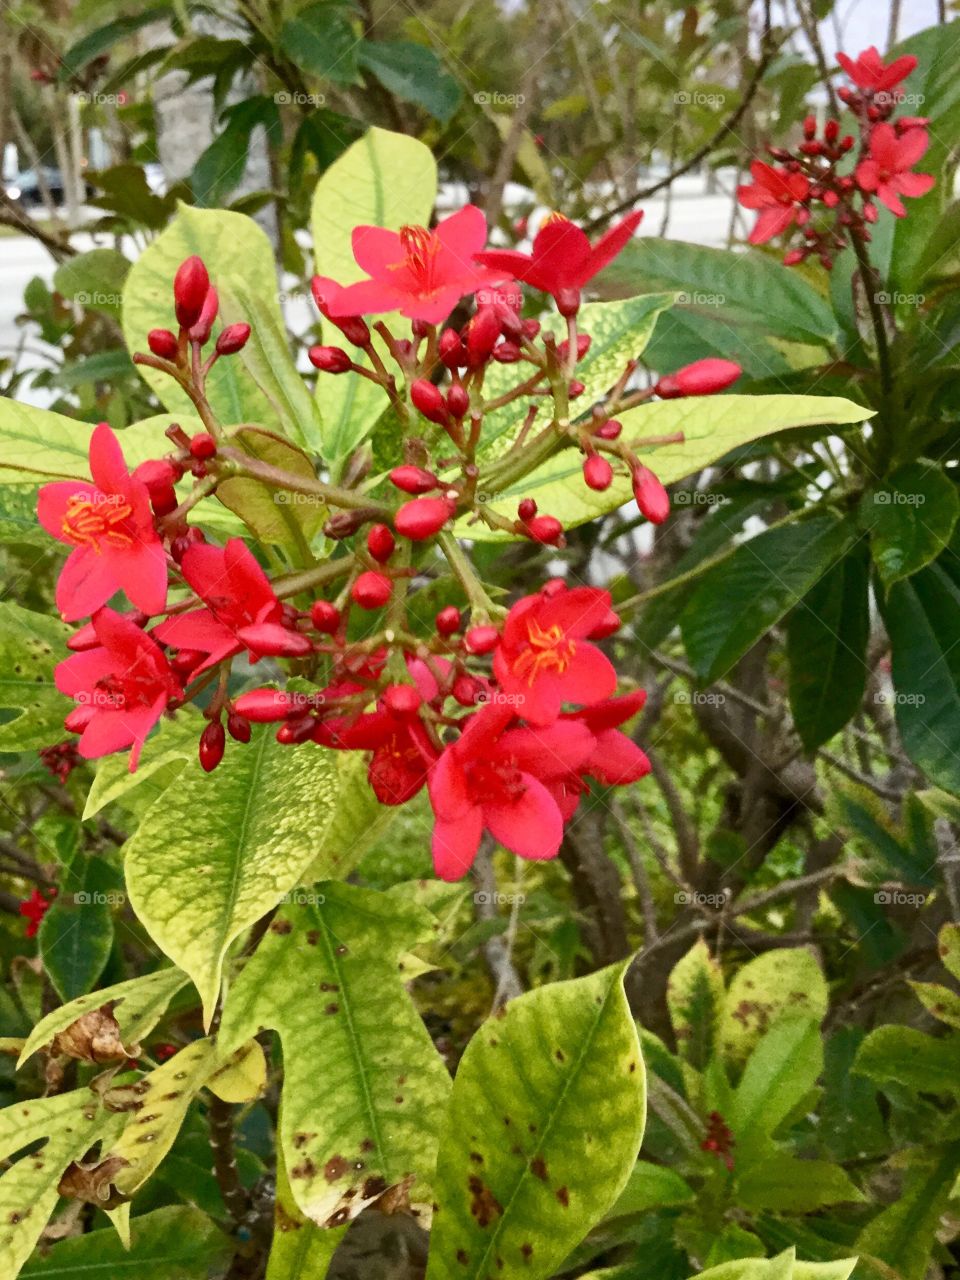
826, 190
34, 908
503, 715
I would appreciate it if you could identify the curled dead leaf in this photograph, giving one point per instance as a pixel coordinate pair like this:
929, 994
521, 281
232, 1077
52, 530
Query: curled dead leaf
92, 1182
94, 1037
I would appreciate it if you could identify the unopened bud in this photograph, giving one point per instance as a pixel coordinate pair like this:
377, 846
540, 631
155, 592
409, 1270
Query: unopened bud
423, 517
329, 359
429, 400
212, 743
371, 590
325, 616
200, 331
458, 401
190, 286
702, 378
447, 621
481, 639
545, 529
412, 479
162, 343
380, 543
651, 497
597, 472
232, 339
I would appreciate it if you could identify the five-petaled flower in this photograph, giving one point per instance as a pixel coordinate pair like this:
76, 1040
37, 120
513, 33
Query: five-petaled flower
562, 258
109, 524
869, 72
779, 196
886, 169
544, 658
242, 610
420, 273
494, 779
121, 687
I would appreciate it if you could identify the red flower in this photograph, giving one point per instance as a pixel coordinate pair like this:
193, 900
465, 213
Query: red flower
777, 193
35, 908
562, 256
886, 169
110, 525
615, 760
492, 778
122, 687
422, 274
544, 660
242, 610
870, 73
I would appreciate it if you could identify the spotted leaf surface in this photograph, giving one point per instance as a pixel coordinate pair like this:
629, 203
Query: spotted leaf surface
788, 981
364, 1088
208, 860
544, 1126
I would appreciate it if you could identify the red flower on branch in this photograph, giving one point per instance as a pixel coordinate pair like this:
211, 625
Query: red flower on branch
121, 687
886, 170
615, 759
869, 72
242, 611
778, 194
109, 524
493, 779
544, 658
35, 908
422, 274
562, 258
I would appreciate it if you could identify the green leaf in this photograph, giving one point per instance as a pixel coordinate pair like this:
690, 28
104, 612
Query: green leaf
246, 837
223, 240
221, 166
742, 598
274, 515
31, 645
36, 444
349, 406
903, 1235
778, 1268
364, 1087
164, 755
71, 1123
911, 1058
778, 982
521, 1177
94, 279
177, 1242
414, 73
139, 1004
728, 290
827, 636
948, 944
76, 934
384, 180
694, 998
922, 617
103, 39
300, 1249
321, 40
711, 425
650, 1186
779, 1074
786, 1184
910, 519
939, 1000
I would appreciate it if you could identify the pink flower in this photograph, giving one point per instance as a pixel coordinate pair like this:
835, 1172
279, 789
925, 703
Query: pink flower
777, 193
242, 611
870, 73
615, 759
886, 169
110, 525
493, 779
422, 274
544, 659
562, 257
121, 688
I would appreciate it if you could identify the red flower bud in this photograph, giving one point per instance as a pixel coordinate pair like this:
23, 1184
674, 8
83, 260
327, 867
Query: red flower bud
200, 331
203, 446
583, 346
506, 353
793, 257
702, 378
423, 517
568, 301
597, 472
481, 334
809, 127
576, 389
371, 590
429, 400
162, 343
481, 639
414, 479
609, 430
447, 621
263, 706
652, 498
458, 401
329, 359
452, 351
325, 616
467, 689
531, 328
233, 339
355, 329
296, 731
190, 286
526, 509
546, 529
380, 542
238, 727
185, 661
401, 700
607, 625
212, 743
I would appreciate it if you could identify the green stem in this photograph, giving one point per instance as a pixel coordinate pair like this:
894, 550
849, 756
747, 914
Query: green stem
480, 602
